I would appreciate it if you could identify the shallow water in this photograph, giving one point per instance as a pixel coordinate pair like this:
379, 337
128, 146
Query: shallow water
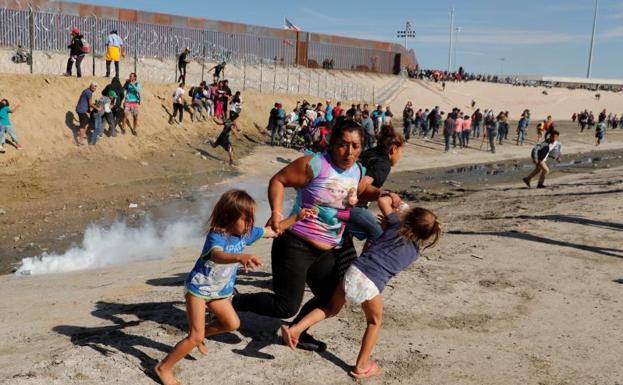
447, 179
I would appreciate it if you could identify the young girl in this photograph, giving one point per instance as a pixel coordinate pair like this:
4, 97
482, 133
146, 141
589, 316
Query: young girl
211, 281
366, 278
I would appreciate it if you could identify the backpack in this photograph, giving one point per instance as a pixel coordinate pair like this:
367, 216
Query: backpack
191, 91
86, 47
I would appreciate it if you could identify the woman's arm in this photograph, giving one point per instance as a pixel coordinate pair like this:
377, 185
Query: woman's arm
296, 174
286, 223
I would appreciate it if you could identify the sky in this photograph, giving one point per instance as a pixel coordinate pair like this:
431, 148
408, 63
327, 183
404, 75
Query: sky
528, 37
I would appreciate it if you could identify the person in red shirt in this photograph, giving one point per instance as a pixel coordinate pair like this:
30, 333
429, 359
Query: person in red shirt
337, 110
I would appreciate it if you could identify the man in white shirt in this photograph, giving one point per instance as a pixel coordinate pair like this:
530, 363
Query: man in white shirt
540, 153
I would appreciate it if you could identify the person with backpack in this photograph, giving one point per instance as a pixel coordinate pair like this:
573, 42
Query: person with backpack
77, 49
491, 130
541, 151
114, 51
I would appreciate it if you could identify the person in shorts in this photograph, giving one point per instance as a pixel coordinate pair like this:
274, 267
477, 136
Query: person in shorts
132, 102
224, 139
84, 106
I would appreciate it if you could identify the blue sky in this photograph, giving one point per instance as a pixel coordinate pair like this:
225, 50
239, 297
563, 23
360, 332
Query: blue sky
533, 37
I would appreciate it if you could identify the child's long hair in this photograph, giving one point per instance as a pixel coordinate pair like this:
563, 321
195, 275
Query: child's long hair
421, 226
232, 205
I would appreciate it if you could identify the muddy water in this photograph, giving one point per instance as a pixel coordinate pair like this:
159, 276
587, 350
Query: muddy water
443, 183
431, 184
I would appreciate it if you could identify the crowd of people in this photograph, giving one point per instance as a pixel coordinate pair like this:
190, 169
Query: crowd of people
586, 120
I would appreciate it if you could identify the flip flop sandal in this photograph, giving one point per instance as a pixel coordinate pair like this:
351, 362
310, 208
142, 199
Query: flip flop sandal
373, 370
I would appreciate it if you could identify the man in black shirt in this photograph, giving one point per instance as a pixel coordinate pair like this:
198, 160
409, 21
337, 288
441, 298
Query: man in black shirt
181, 64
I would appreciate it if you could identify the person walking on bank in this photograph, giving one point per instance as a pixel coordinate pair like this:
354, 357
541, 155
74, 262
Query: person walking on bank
491, 131
541, 151
448, 130
407, 119
182, 61
114, 52
77, 50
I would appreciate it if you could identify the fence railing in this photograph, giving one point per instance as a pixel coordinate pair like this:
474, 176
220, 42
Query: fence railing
49, 31
153, 49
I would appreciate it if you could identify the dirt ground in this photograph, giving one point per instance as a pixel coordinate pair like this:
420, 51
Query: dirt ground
525, 287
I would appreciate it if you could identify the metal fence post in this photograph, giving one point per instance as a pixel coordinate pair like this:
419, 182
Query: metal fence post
177, 58
93, 40
298, 85
32, 37
288, 79
261, 74
244, 72
275, 77
203, 63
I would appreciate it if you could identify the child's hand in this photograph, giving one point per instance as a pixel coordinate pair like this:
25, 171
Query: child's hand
249, 261
306, 213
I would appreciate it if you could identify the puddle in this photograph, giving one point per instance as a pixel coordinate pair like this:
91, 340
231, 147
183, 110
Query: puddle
445, 182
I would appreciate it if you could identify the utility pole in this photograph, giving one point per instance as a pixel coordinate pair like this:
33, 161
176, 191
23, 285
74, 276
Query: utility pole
451, 32
457, 30
408, 32
590, 53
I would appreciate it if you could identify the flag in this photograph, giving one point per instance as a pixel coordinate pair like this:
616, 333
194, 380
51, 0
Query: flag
288, 25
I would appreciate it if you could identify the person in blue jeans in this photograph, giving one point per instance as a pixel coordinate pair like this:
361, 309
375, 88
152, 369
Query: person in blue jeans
378, 162
5, 125
522, 130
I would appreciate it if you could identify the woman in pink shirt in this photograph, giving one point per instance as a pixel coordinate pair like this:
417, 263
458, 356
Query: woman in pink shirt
458, 129
467, 129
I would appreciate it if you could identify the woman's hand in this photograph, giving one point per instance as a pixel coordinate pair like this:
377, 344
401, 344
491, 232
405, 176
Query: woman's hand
273, 222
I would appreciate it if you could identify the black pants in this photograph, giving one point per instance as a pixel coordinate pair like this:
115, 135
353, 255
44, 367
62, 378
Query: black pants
70, 63
178, 107
108, 68
295, 263
182, 68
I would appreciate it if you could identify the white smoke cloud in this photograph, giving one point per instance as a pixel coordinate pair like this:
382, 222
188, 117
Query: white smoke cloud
120, 243
116, 245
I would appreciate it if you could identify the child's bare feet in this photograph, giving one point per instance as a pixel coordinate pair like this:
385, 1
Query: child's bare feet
287, 337
166, 376
372, 370
203, 349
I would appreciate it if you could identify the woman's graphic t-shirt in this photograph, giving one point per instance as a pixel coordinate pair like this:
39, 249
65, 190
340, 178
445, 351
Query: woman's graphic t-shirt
331, 192
210, 280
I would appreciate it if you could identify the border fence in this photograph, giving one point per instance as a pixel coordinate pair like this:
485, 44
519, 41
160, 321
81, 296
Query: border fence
45, 26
